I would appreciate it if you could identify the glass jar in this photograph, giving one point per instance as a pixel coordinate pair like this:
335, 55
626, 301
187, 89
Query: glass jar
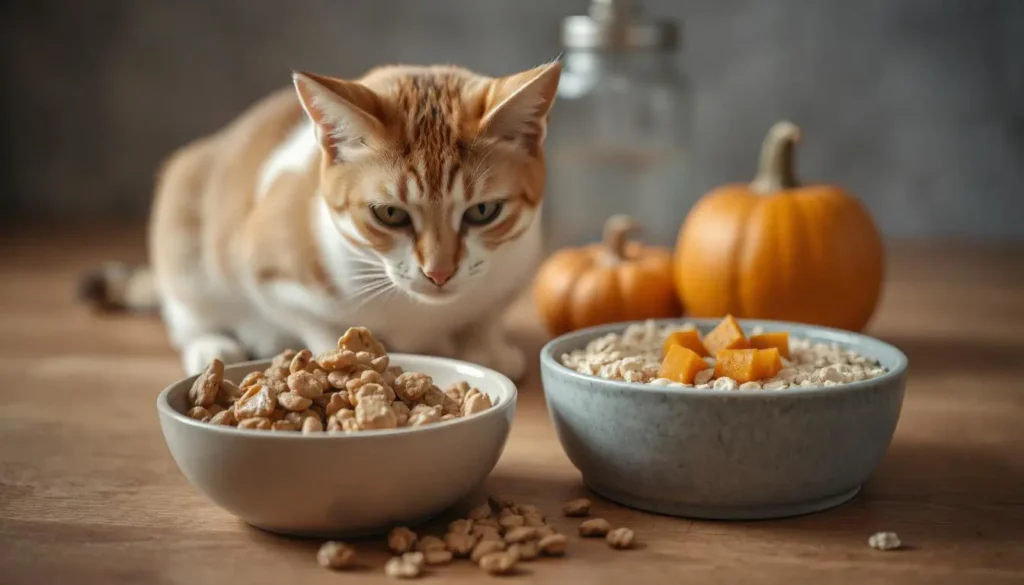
618, 136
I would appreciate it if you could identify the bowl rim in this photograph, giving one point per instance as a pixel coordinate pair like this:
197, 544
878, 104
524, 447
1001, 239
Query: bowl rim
548, 360
506, 385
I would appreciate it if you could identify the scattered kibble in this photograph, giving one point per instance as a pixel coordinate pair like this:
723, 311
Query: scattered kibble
495, 546
577, 507
595, 527
553, 545
402, 568
335, 555
498, 563
401, 540
620, 538
884, 541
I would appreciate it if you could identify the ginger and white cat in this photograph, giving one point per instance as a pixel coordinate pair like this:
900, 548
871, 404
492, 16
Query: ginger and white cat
407, 201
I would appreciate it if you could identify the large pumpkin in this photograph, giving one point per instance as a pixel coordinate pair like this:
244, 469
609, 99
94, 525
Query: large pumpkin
777, 249
615, 280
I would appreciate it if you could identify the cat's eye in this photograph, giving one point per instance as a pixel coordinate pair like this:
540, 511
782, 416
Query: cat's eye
391, 216
482, 213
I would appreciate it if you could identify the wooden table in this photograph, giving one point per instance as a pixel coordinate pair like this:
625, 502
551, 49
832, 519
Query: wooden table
90, 495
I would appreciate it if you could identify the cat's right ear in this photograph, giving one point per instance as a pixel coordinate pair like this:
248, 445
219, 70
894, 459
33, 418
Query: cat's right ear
346, 114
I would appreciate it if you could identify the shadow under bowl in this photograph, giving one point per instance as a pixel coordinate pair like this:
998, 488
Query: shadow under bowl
725, 455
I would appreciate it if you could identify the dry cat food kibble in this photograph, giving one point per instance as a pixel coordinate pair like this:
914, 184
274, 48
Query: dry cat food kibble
480, 538
335, 555
577, 507
884, 541
724, 359
620, 538
348, 389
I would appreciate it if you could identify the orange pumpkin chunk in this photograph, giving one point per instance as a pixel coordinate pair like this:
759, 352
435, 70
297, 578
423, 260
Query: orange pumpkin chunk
681, 364
778, 340
688, 339
767, 362
739, 364
726, 335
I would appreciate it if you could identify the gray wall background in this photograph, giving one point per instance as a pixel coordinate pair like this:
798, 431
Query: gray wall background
915, 105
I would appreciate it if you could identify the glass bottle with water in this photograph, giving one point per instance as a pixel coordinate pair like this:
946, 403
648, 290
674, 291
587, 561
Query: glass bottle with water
618, 140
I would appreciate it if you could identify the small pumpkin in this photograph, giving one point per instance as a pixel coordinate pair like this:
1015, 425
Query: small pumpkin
614, 280
778, 249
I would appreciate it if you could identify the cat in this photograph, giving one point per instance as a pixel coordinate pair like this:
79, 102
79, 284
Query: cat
407, 201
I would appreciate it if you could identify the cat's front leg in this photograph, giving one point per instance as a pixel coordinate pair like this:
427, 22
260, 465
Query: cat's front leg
487, 344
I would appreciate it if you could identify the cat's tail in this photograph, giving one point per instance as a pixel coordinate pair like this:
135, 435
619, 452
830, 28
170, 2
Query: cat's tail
119, 287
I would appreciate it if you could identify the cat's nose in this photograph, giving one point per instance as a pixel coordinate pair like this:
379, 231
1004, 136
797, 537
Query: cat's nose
439, 276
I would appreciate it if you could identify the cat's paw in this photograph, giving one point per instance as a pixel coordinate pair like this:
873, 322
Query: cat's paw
199, 352
498, 355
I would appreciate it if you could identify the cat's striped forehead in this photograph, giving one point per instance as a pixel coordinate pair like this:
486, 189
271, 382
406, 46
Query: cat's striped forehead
435, 114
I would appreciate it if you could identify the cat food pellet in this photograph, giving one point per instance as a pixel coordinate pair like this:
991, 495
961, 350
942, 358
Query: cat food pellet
520, 534
512, 521
553, 545
498, 563
459, 543
346, 390
577, 507
486, 547
594, 527
437, 556
525, 551
884, 541
430, 542
401, 540
401, 568
620, 538
335, 555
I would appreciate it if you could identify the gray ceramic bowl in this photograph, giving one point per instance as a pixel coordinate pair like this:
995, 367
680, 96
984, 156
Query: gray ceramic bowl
717, 454
342, 485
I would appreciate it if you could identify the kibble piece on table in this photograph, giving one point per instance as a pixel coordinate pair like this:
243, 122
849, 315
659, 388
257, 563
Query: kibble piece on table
553, 545
620, 538
595, 527
511, 521
525, 551
498, 563
430, 542
480, 512
401, 540
437, 556
460, 544
486, 547
884, 541
576, 508
402, 568
335, 555
520, 534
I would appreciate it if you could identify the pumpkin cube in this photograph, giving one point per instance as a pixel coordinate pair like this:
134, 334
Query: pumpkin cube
739, 364
778, 340
689, 339
726, 335
681, 364
767, 362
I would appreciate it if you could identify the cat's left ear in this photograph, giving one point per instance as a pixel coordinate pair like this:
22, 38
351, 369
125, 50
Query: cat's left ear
347, 115
517, 106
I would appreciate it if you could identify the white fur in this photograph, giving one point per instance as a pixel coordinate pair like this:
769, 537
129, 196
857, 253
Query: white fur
295, 154
376, 292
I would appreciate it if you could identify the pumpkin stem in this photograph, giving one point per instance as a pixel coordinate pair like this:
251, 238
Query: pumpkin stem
616, 231
776, 169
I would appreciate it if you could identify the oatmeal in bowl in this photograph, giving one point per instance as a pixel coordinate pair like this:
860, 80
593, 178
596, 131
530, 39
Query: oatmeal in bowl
723, 418
638, 353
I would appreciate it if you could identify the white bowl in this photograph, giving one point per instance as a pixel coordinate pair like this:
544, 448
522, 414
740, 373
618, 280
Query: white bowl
330, 485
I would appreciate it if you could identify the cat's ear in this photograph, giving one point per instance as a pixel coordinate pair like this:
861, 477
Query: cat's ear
347, 115
517, 106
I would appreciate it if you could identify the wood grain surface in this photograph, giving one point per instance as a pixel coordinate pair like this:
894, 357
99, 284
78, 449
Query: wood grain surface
90, 495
